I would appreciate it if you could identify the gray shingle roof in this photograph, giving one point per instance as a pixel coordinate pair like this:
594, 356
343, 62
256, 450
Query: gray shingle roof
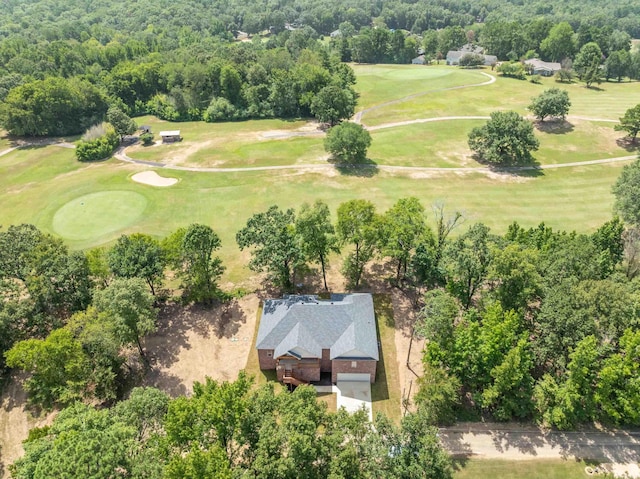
537, 63
304, 326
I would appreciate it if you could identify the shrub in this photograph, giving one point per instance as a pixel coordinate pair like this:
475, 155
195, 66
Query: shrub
164, 107
512, 70
471, 60
535, 79
220, 109
147, 139
98, 143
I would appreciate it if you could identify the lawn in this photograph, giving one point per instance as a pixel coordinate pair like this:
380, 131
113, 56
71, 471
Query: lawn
381, 83
253, 365
443, 144
534, 469
610, 101
37, 185
92, 204
385, 392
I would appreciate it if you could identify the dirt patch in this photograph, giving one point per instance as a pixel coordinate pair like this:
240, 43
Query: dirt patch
15, 422
408, 348
153, 179
195, 342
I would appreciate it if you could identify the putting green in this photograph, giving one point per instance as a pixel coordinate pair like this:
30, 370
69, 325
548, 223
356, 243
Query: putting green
98, 214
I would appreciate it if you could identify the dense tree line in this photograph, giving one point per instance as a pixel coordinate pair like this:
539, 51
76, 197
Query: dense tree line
177, 24
291, 76
230, 430
537, 324
180, 62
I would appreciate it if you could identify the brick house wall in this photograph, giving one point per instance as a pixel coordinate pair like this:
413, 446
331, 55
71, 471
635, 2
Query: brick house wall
266, 359
307, 374
362, 366
325, 363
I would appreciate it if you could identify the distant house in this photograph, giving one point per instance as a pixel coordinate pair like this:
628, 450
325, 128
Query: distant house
301, 337
419, 60
454, 56
170, 136
535, 66
335, 34
145, 129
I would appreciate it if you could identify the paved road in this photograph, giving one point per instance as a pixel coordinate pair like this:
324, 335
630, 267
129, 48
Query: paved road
497, 441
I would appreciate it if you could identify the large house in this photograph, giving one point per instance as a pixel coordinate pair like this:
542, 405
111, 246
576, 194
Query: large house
537, 67
303, 336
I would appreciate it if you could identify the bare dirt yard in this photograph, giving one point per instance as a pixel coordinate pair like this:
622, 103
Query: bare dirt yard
15, 421
191, 343
195, 342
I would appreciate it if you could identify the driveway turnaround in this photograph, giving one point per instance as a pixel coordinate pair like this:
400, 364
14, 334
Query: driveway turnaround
354, 395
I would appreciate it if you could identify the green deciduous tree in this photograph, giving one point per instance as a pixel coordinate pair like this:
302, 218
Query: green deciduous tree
617, 64
512, 70
333, 104
40, 269
403, 227
138, 256
471, 60
212, 417
122, 123
506, 139
513, 276
630, 122
276, 248
53, 106
314, 227
98, 143
560, 43
553, 102
348, 142
438, 396
357, 225
590, 54
618, 385
466, 262
627, 193
128, 305
59, 367
96, 444
198, 268
437, 317
509, 395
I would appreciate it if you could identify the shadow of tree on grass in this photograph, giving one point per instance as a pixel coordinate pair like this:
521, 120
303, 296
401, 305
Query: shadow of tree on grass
554, 127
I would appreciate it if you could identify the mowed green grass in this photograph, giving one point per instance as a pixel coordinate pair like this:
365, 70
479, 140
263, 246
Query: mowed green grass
534, 469
34, 187
381, 83
609, 101
443, 144
96, 215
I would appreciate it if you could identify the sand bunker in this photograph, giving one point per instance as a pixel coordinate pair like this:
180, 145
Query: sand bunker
154, 179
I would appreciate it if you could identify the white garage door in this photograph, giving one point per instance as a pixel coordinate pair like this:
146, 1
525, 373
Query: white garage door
355, 377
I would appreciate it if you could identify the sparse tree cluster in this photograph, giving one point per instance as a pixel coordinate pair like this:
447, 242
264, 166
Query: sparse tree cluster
69, 318
282, 242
